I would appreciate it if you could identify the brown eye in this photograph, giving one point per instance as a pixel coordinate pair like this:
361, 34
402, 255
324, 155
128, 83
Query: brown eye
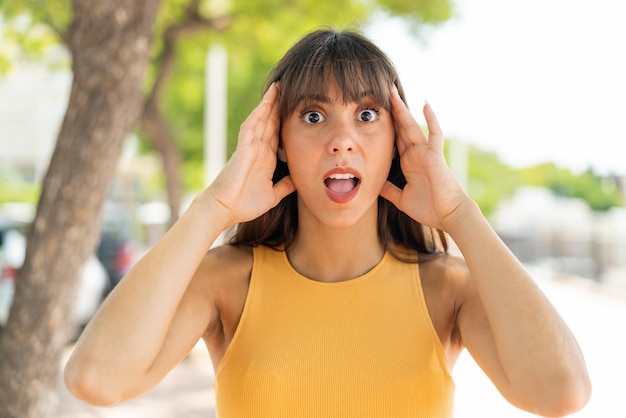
368, 115
313, 117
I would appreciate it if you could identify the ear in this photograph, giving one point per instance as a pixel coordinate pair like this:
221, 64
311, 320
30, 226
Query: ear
282, 155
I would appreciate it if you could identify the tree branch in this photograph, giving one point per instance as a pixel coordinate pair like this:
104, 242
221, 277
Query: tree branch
192, 23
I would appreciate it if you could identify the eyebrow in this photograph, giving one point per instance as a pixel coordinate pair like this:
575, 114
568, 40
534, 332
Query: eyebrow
325, 99
314, 98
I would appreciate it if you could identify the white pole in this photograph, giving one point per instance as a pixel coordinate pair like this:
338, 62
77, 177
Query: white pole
215, 113
459, 162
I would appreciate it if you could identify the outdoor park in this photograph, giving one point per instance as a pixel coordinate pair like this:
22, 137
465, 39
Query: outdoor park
113, 116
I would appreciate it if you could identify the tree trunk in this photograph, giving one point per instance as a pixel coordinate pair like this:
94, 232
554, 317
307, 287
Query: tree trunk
156, 129
110, 43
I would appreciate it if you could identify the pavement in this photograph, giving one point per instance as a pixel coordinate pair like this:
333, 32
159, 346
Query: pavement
596, 314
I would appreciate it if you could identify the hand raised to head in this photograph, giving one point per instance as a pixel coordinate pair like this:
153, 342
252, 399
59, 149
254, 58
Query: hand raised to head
432, 193
244, 188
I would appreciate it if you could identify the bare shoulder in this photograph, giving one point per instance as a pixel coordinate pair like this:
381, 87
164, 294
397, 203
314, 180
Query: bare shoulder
226, 268
446, 283
229, 257
450, 263
448, 275
225, 272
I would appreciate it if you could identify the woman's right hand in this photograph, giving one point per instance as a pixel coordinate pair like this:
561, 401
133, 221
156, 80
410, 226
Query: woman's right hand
157, 313
244, 189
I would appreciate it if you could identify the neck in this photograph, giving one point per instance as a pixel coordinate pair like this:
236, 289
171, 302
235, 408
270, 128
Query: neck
333, 254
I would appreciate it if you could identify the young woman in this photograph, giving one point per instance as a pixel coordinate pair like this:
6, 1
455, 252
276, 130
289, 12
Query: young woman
335, 297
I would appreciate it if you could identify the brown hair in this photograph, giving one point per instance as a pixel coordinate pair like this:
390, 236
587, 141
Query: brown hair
353, 64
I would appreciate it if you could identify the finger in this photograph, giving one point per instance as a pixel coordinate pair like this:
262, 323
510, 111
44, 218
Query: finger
283, 188
409, 131
267, 105
435, 134
391, 192
270, 122
274, 118
256, 125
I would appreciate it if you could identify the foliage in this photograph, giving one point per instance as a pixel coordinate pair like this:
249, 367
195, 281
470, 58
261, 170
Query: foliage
56, 14
600, 193
256, 34
22, 39
15, 188
491, 180
18, 192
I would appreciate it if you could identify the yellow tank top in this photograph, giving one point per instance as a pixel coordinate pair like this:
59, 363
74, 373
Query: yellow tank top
362, 348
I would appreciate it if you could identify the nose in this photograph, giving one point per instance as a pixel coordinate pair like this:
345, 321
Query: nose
338, 148
343, 138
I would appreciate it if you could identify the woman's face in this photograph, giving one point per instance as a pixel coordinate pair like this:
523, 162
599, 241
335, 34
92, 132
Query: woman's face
339, 155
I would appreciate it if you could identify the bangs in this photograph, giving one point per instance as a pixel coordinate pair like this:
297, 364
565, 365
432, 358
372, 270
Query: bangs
352, 67
345, 61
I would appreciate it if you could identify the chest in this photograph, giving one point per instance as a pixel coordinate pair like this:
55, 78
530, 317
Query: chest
365, 347
352, 311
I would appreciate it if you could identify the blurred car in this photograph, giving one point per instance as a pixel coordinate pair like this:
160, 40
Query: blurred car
116, 248
11, 257
13, 228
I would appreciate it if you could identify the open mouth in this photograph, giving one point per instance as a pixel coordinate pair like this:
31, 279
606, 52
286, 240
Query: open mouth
341, 183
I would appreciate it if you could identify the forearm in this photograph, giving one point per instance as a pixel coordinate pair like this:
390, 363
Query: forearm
125, 337
536, 349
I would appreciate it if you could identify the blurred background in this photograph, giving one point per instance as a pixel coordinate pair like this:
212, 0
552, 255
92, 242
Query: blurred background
531, 96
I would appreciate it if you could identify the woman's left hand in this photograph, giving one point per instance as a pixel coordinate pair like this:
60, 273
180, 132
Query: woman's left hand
432, 194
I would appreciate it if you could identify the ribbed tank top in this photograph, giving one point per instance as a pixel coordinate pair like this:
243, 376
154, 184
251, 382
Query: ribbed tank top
365, 347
